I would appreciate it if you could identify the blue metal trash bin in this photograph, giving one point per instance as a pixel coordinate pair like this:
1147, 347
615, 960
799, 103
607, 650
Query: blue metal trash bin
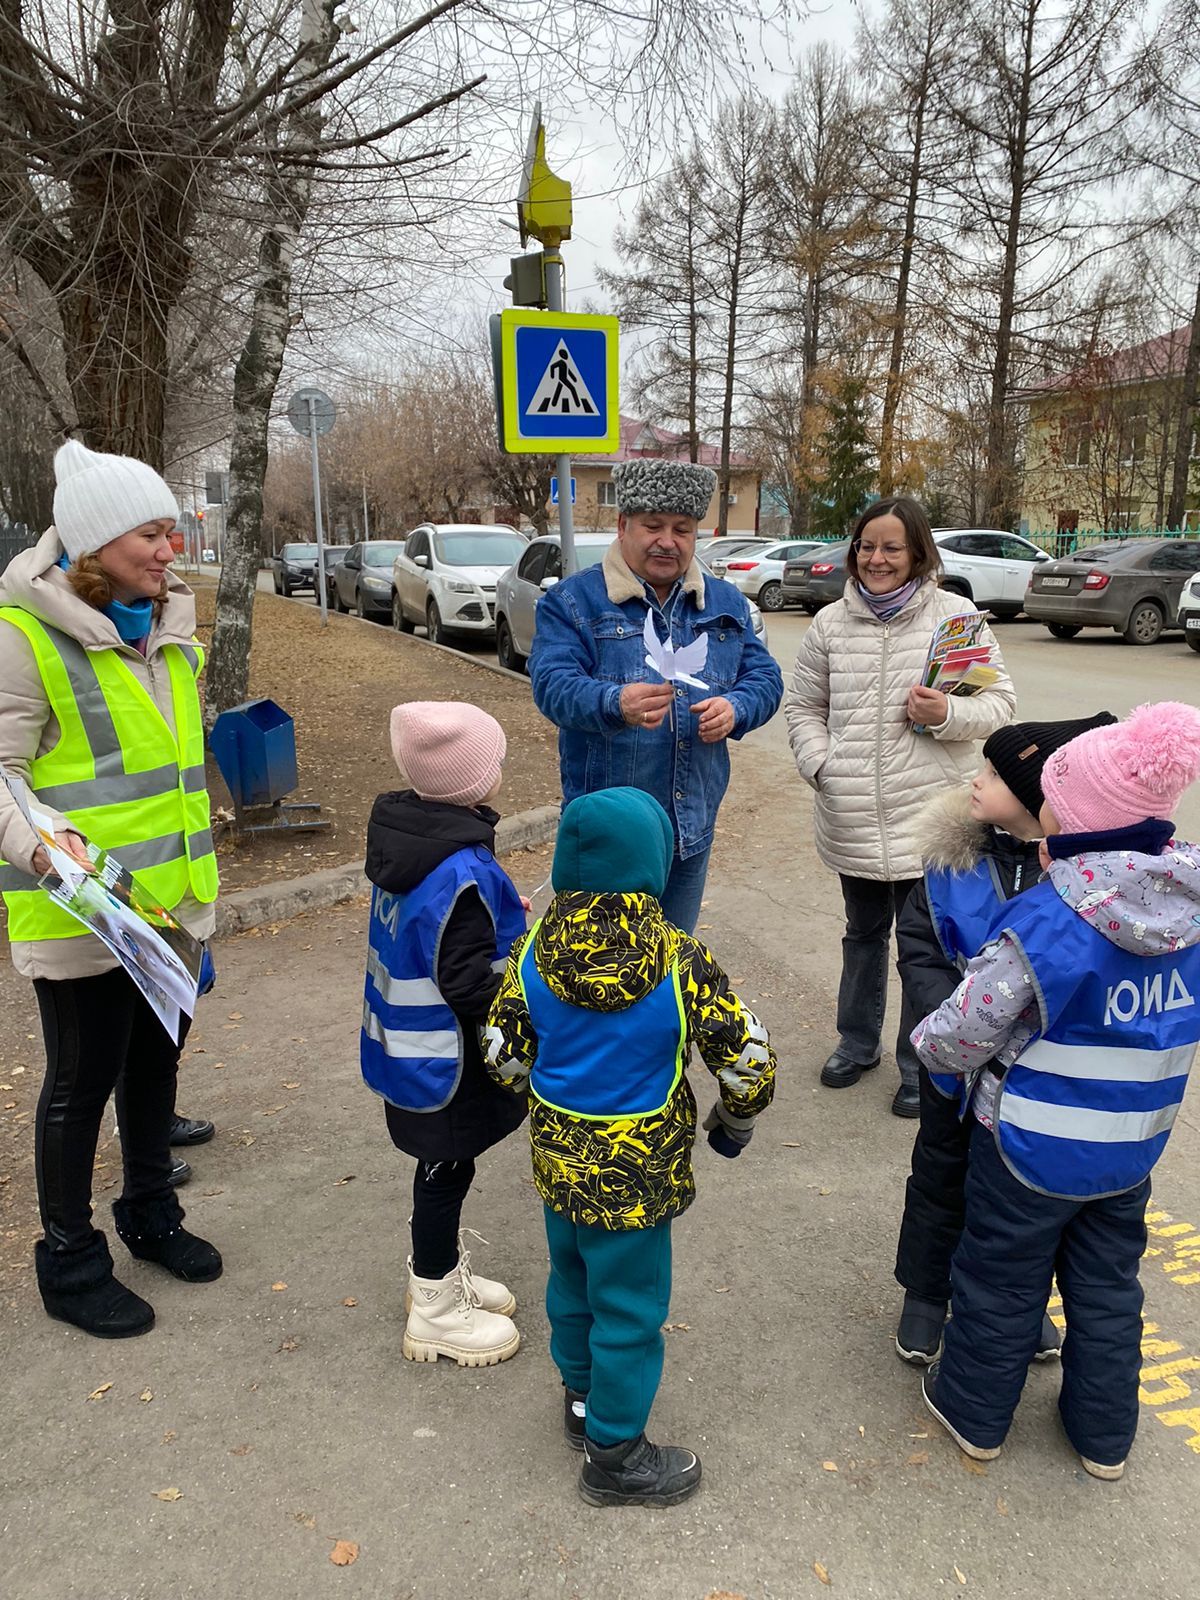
254, 745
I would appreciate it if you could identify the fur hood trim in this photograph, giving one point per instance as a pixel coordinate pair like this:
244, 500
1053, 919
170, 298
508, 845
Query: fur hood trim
948, 837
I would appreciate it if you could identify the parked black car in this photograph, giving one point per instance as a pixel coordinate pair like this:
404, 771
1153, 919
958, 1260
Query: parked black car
293, 568
1130, 585
816, 579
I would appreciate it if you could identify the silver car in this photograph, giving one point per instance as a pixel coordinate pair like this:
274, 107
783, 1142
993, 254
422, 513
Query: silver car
540, 568
758, 573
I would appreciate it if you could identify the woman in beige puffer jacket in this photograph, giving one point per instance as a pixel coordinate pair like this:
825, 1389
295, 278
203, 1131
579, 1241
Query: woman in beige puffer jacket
854, 697
100, 718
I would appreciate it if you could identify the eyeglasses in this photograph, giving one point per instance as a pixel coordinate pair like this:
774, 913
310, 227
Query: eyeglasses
892, 550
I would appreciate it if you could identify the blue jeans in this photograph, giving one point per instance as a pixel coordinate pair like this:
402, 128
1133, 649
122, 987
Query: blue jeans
1014, 1241
681, 898
607, 1298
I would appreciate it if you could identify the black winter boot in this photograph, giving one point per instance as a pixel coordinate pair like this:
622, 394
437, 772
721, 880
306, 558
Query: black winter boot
637, 1473
78, 1287
919, 1336
574, 1417
153, 1230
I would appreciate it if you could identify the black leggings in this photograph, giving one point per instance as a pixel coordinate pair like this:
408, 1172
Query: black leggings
100, 1035
439, 1189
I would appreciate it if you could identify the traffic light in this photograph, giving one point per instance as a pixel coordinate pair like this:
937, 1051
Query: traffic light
527, 280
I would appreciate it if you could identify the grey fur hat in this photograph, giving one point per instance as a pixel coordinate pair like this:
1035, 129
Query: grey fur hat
678, 488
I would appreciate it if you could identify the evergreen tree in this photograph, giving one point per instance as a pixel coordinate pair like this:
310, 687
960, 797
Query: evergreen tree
849, 475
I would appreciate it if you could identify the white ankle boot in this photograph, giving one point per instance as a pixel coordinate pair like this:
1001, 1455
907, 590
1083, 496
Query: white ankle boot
445, 1319
486, 1292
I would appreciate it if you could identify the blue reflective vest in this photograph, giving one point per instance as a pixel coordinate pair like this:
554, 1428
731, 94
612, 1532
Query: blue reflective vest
605, 1065
1087, 1108
410, 1048
962, 906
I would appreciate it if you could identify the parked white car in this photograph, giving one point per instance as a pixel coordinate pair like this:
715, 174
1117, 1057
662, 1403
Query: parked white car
445, 577
540, 568
758, 573
988, 566
1188, 615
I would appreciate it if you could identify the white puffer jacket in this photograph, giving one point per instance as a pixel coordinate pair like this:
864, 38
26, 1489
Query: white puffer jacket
852, 740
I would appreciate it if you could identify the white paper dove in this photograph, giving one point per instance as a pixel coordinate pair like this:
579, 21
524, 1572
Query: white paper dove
675, 666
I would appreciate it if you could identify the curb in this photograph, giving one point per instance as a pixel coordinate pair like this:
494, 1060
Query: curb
275, 902
462, 655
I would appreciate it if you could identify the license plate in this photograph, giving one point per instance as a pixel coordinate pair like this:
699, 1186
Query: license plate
1192, 622
1056, 583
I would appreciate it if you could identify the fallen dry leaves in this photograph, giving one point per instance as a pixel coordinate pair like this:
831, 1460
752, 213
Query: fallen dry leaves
277, 1288
146, 1396
960, 1575
917, 1459
829, 1466
349, 1301
168, 1494
822, 1572
344, 1553
98, 1394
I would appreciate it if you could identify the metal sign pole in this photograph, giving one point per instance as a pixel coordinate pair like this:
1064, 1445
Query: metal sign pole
556, 274
316, 473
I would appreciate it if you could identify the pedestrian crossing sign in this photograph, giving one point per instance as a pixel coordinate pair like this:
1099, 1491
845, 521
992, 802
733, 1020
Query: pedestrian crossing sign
559, 383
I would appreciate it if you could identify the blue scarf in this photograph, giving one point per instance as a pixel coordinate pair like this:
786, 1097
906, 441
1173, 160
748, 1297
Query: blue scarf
885, 606
131, 622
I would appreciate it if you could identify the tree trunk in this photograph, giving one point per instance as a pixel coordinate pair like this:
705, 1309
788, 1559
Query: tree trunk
730, 367
891, 394
998, 497
1185, 421
693, 343
255, 378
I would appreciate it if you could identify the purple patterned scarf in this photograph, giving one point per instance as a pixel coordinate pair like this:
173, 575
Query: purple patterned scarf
885, 606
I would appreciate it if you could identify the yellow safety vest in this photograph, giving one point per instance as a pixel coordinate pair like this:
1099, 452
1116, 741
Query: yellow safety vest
119, 774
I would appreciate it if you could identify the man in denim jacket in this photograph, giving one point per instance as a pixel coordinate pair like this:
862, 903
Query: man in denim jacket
619, 723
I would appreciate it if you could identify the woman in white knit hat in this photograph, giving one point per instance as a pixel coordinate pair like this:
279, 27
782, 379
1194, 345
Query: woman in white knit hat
99, 714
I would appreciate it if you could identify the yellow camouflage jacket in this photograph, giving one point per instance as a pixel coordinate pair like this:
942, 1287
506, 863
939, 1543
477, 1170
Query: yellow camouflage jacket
604, 953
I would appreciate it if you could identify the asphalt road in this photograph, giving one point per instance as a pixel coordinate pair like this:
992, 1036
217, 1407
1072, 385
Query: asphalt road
270, 1415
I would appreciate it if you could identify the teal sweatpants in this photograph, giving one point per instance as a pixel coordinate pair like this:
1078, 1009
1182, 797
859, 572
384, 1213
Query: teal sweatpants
607, 1298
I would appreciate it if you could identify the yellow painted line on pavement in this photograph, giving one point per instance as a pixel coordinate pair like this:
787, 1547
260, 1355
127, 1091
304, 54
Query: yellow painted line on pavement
1175, 1247
1162, 1382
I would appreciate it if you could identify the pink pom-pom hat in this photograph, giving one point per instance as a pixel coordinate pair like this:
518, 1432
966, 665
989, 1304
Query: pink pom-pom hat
1116, 776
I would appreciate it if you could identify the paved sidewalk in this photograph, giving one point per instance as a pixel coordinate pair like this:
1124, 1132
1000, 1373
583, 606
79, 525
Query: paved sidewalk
276, 1401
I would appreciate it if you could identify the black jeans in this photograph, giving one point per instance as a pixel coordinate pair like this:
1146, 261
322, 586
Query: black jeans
439, 1189
934, 1197
871, 909
100, 1036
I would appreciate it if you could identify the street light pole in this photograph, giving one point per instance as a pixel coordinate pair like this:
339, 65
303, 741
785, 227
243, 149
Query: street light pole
556, 275
316, 477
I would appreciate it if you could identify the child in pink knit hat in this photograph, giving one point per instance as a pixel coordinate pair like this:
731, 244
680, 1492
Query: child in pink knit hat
444, 915
1075, 1028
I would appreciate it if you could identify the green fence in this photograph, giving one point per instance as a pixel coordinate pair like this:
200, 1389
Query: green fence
1059, 544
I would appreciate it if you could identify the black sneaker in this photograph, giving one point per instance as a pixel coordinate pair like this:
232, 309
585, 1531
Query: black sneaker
574, 1417
919, 1336
1049, 1345
181, 1172
637, 1473
191, 1130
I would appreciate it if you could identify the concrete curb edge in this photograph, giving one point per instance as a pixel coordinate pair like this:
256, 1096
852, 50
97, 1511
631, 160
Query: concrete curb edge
275, 902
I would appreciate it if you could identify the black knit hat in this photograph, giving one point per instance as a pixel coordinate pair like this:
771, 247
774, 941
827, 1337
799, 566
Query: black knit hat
1019, 752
